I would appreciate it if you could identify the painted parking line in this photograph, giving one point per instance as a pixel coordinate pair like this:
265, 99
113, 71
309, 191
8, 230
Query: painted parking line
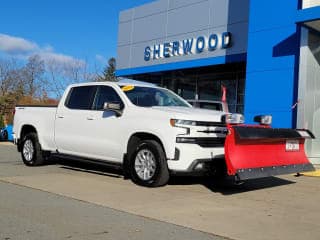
311, 174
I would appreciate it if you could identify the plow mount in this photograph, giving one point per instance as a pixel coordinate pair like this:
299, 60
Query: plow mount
257, 151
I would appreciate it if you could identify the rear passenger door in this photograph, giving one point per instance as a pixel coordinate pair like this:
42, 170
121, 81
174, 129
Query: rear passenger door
71, 124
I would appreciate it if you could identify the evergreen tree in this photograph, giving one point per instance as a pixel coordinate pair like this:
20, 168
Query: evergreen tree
109, 72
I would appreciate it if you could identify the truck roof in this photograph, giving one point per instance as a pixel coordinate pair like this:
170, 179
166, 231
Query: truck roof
120, 84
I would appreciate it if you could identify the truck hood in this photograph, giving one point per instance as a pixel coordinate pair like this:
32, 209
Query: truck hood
194, 114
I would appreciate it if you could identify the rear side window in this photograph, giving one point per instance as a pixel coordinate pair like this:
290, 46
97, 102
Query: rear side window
81, 97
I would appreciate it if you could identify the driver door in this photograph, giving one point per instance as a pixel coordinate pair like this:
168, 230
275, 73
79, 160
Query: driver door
107, 130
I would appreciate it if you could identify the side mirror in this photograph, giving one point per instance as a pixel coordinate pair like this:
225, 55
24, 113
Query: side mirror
115, 107
232, 118
263, 119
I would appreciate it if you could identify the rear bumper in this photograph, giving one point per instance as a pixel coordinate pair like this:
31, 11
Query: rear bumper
15, 140
261, 172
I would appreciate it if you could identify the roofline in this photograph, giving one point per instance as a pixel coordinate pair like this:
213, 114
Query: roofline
112, 84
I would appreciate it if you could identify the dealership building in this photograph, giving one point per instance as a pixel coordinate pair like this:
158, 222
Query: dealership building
266, 54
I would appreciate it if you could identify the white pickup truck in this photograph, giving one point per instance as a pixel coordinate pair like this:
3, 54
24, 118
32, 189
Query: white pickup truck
148, 131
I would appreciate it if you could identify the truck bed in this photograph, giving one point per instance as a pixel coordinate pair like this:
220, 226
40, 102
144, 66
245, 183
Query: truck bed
43, 117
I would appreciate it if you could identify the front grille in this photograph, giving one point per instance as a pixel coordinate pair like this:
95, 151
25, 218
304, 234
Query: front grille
205, 142
210, 124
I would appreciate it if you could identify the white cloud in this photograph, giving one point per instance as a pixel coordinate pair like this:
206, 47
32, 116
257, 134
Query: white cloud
23, 48
15, 45
60, 59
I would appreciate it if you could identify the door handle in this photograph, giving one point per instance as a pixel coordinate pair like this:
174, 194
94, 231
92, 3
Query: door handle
60, 116
90, 118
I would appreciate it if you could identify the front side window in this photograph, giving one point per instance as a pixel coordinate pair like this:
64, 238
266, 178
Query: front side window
106, 94
149, 97
81, 97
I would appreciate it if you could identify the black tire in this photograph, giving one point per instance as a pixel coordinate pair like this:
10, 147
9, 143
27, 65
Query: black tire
35, 157
161, 172
219, 169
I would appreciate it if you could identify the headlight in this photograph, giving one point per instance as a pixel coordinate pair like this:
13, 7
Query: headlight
179, 122
182, 124
234, 118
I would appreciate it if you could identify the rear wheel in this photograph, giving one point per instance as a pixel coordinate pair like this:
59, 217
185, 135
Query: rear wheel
148, 165
31, 152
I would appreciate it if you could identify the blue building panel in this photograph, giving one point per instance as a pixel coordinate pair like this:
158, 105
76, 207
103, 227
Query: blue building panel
307, 15
270, 92
273, 52
271, 14
183, 65
272, 49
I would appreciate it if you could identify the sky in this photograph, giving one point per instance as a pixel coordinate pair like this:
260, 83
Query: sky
63, 30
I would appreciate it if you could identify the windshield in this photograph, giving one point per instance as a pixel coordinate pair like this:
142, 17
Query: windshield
149, 97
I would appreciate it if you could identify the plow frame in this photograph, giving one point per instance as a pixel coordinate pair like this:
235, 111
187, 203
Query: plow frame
257, 151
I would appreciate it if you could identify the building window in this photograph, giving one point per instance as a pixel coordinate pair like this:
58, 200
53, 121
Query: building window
205, 83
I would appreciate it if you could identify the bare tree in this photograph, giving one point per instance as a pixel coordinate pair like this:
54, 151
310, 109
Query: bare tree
7, 69
39, 78
33, 75
77, 71
60, 75
38, 81
17, 79
56, 80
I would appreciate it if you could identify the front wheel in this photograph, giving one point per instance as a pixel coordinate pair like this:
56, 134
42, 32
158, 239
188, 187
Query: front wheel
148, 165
31, 150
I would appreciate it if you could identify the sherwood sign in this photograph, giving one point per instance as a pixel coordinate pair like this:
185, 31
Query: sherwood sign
188, 46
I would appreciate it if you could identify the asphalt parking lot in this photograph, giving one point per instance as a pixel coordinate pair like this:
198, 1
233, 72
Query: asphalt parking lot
93, 202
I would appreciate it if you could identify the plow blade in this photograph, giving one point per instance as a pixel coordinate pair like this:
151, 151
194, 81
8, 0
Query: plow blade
258, 151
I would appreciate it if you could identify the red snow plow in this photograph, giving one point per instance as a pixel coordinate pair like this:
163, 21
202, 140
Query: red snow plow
256, 151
